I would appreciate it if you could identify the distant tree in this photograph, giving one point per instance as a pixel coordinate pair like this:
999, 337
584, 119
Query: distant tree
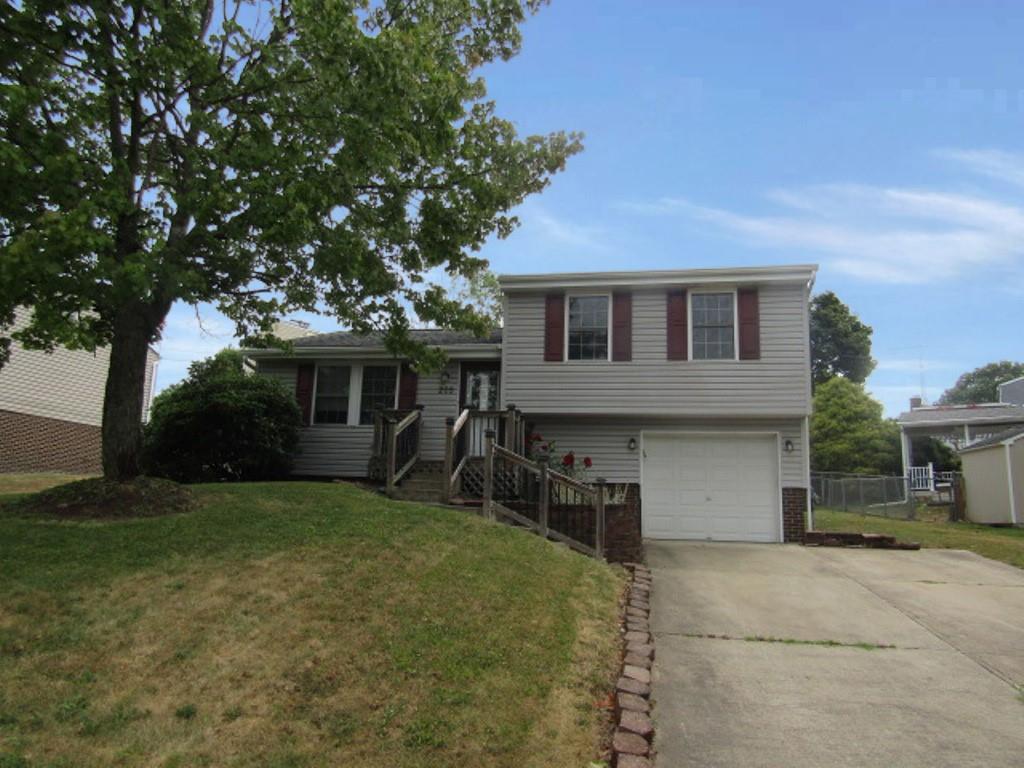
981, 384
848, 433
840, 342
482, 292
265, 155
221, 424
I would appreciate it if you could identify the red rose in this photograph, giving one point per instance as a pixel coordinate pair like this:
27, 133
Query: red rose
587, 462
569, 459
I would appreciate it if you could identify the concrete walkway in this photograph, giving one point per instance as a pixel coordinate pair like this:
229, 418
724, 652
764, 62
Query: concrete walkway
743, 675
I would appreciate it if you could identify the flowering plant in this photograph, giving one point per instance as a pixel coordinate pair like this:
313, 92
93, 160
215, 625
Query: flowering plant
537, 449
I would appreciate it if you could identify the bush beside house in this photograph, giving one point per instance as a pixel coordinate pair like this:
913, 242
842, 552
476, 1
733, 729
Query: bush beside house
221, 424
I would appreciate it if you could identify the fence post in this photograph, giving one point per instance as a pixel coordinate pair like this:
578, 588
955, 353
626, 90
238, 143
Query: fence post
599, 522
931, 477
449, 457
842, 485
489, 474
390, 449
543, 508
860, 493
510, 428
885, 494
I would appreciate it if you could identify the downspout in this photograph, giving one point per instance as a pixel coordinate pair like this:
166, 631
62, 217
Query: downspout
1009, 483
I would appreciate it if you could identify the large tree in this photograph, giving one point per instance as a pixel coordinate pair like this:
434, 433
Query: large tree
324, 155
981, 384
840, 342
848, 432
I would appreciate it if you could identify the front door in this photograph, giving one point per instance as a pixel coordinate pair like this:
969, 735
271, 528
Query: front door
480, 391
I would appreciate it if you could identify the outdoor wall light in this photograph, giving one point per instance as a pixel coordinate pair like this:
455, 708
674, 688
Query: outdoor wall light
632, 444
788, 446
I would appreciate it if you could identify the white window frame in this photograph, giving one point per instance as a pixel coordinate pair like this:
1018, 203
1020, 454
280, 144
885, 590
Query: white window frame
735, 325
565, 322
355, 389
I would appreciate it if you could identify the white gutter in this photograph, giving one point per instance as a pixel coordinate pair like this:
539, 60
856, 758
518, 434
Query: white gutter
803, 273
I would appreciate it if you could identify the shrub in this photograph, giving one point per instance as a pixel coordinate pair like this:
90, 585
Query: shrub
222, 424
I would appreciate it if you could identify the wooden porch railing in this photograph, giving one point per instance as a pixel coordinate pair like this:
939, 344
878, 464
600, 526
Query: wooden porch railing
396, 443
551, 504
465, 440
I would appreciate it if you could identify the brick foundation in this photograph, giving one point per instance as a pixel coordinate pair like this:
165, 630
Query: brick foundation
37, 444
622, 537
794, 514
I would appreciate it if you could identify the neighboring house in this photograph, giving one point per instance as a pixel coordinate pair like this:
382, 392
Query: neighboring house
690, 388
994, 478
51, 406
961, 426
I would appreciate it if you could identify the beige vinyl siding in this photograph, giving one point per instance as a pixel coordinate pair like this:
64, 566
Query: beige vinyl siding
988, 491
343, 450
607, 442
1017, 461
64, 384
776, 385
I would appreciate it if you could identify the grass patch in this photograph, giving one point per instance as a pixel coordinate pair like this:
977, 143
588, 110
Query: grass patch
299, 624
1003, 544
14, 485
100, 498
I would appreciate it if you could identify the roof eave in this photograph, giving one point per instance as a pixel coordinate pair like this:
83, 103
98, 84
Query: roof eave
795, 273
462, 351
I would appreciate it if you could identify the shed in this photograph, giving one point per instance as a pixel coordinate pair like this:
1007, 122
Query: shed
994, 477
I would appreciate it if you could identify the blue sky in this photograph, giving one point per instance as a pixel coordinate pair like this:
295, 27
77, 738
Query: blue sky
883, 141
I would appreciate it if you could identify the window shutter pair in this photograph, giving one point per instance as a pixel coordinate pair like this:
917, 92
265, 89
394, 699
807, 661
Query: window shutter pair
677, 332
621, 330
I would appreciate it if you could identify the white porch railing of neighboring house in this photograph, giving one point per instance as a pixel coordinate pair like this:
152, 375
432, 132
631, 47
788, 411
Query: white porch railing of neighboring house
922, 478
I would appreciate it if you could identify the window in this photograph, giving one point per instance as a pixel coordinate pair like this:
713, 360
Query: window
332, 390
714, 326
588, 328
378, 391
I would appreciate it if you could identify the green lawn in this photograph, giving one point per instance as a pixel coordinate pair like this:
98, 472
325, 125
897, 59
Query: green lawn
1006, 544
299, 624
13, 486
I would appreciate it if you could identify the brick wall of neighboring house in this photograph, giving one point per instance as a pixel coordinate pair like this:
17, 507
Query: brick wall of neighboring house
794, 514
38, 444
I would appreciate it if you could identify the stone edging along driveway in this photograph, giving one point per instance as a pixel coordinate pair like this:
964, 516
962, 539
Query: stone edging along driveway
631, 742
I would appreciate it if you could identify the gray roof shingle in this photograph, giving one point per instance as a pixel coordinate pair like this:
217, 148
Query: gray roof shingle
995, 439
962, 414
435, 337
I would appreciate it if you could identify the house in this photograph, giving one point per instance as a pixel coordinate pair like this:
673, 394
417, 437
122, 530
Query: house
961, 426
994, 478
691, 389
51, 406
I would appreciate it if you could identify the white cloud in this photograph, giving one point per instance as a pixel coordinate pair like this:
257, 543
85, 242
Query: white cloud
563, 232
885, 234
994, 163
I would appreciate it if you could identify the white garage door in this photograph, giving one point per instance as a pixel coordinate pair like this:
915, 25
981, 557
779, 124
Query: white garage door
717, 487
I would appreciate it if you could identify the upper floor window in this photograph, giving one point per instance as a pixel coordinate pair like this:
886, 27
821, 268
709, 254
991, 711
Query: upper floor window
332, 392
714, 326
588, 328
378, 390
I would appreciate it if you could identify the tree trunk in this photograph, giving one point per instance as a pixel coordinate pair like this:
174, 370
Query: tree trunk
125, 391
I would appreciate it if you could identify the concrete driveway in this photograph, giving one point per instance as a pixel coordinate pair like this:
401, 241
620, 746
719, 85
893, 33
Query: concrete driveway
743, 675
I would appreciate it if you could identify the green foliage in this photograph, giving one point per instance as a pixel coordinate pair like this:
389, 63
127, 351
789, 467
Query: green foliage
840, 342
981, 384
222, 424
267, 157
483, 292
848, 433
928, 450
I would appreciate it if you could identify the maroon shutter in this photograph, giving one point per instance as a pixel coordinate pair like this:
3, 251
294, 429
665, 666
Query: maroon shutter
407, 383
622, 326
304, 391
676, 329
554, 327
750, 324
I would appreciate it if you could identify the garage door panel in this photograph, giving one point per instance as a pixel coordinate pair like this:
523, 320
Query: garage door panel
711, 486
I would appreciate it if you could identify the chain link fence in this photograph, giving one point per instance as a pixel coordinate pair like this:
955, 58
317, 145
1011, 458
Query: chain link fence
881, 495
